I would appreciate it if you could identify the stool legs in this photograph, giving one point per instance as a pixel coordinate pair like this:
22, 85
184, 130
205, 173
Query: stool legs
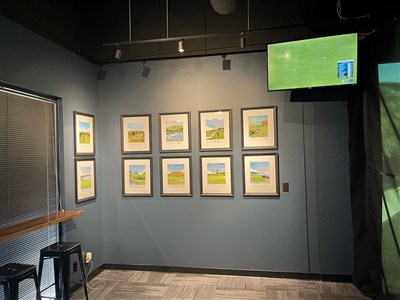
12, 274
83, 274
40, 269
64, 280
11, 292
60, 252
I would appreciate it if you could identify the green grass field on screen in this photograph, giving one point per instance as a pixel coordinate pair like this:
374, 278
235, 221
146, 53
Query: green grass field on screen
311, 62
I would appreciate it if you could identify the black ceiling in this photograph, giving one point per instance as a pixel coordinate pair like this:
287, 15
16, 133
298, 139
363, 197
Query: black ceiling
84, 27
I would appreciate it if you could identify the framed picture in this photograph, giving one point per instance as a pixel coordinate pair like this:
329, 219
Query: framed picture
176, 176
259, 128
137, 177
175, 132
85, 179
136, 134
216, 175
215, 130
84, 134
260, 175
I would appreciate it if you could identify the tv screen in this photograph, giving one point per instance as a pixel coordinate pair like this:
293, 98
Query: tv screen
317, 62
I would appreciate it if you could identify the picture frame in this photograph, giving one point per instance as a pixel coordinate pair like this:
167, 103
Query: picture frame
259, 128
136, 134
215, 130
137, 176
85, 179
84, 134
216, 176
176, 176
175, 132
261, 175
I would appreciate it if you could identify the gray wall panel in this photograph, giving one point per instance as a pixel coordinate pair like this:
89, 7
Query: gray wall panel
215, 232
305, 230
30, 61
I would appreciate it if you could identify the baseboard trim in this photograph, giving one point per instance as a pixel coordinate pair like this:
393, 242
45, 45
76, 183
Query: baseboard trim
234, 272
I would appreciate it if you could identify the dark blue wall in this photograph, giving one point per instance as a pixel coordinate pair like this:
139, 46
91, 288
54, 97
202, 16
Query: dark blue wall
305, 230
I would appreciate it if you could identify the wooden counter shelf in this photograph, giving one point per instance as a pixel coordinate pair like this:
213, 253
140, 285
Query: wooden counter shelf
13, 231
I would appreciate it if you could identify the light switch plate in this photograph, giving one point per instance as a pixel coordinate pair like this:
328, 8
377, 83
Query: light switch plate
285, 187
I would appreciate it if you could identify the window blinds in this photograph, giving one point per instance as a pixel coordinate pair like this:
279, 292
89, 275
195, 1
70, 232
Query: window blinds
28, 178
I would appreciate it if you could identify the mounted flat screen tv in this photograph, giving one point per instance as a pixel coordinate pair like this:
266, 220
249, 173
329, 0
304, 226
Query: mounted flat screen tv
317, 62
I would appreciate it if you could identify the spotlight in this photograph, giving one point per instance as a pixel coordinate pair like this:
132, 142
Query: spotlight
181, 46
118, 52
146, 70
226, 63
243, 41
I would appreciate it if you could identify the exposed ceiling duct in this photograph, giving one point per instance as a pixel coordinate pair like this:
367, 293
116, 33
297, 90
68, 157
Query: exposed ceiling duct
224, 7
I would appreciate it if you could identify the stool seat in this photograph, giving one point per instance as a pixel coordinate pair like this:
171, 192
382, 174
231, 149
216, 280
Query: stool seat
60, 248
12, 274
60, 252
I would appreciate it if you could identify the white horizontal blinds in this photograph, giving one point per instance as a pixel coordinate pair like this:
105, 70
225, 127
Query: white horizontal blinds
28, 178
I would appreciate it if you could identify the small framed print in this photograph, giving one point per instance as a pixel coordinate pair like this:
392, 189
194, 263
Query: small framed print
176, 176
215, 130
84, 134
136, 134
137, 177
175, 132
260, 175
259, 128
85, 179
216, 175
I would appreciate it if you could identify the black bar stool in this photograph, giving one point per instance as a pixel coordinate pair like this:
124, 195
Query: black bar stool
61, 252
12, 274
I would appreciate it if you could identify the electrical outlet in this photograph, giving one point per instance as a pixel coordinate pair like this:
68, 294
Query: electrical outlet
88, 257
74, 267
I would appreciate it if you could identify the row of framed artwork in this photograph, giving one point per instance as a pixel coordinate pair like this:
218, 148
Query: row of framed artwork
260, 176
259, 131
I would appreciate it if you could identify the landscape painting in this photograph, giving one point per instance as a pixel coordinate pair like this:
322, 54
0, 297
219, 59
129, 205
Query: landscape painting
176, 176
85, 179
84, 134
175, 132
216, 173
137, 177
260, 175
259, 172
215, 130
136, 134
259, 128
